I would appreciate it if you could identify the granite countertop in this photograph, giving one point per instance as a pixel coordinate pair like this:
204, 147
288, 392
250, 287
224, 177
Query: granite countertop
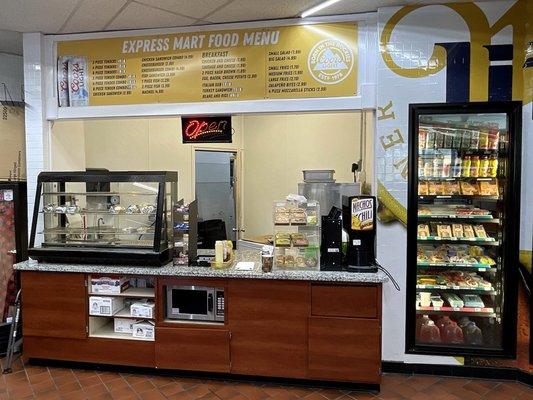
204, 272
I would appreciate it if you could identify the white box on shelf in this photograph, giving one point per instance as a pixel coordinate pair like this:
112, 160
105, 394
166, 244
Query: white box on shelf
109, 284
124, 325
105, 306
144, 330
144, 309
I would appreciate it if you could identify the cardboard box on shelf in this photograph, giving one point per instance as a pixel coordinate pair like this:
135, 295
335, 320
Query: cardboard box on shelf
105, 306
124, 325
144, 330
110, 284
144, 309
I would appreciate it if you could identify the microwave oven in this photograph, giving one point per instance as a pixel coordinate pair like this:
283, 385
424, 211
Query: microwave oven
195, 303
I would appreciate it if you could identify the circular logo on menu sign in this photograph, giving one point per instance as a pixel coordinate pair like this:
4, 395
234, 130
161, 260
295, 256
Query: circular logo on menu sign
330, 61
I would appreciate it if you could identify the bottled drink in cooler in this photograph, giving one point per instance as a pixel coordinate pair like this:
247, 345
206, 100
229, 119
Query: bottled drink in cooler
474, 139
446, 165
437, 167
428, 169
466, 140
473, 335
493, 166
494, 137
439, 139
430, 139
474, 167
448, 139
465, 168
484, 167
429, 333
484, 138
420, 168
456, 170
456, 141
452, 334
422, 134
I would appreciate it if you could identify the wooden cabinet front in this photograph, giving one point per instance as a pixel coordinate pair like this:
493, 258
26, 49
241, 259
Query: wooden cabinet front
345, 349
192, 349
268, 322
54, 304
355, 301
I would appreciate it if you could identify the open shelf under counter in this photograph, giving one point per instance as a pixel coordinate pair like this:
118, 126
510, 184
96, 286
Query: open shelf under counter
130, 292
107, 331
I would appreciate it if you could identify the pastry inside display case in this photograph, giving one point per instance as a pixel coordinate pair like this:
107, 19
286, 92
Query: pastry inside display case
110, 217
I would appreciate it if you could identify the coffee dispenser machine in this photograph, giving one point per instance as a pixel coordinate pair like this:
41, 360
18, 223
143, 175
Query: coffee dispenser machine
359, 222
331, 254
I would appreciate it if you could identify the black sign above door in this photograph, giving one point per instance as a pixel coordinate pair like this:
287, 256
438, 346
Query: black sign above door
206, 129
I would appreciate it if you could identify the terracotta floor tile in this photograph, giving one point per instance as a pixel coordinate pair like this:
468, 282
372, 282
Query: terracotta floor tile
153, 394
171, 389
116, 384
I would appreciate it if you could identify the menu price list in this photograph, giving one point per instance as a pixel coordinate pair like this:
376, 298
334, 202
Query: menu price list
224, 75
285, 74
109, 78
157, 72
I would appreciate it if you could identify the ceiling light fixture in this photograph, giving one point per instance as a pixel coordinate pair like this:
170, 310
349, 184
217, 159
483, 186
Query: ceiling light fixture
319, 7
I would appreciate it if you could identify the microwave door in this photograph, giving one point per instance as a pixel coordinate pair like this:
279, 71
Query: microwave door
190, 303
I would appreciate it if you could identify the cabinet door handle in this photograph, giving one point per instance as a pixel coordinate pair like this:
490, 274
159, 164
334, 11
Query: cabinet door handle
210, 302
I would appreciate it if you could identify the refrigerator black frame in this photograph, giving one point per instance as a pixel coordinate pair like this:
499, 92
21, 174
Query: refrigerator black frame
156, 256
511, 205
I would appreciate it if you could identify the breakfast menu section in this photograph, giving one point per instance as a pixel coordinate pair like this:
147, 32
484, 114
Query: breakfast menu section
282, 62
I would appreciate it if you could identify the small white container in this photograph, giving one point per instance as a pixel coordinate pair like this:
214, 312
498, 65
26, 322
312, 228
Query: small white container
105, 306
142, 310
144, 330
124, 325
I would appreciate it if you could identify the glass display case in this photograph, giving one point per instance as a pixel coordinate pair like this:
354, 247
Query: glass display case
296, 235
463, 228
104, 217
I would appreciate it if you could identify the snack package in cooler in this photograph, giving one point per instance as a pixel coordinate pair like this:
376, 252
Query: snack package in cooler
78, 85
457, 230
472, 300
423, 231
451, 188
62, 81
469, 189
432, 188
487, 188
453, 300
423, 189
468, 231
479, 230
444, 231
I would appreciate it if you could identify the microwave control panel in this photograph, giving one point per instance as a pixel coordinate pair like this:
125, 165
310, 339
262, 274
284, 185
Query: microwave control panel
220, 306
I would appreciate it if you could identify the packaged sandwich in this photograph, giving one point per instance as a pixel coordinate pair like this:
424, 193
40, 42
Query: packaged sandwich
468, 231
457, 230
432, 188
480, 231
451, 188
488, 188
423, 231
444, 231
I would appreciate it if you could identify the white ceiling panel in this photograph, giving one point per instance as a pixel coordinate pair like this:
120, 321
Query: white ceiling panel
92, 15
35, 15
10, 42
251, 10
139, 16
358, 6
196, 9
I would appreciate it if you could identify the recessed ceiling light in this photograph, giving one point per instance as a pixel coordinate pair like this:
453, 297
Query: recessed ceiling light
319, 7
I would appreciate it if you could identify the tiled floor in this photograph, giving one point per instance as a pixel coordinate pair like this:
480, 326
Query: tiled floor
35, 382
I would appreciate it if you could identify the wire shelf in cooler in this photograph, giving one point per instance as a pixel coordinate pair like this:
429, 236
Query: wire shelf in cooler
466, 311
457, 179
477, 241
459, 289
470, 267
441, 150
469, 218
459, 197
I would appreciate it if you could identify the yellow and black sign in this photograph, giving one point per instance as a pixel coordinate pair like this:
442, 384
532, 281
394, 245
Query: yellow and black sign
248, 64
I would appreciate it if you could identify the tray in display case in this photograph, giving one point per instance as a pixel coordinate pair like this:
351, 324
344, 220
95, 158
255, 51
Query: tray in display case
104, 217
296, 235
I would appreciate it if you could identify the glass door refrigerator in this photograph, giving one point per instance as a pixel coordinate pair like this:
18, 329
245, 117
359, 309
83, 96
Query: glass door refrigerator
463, 227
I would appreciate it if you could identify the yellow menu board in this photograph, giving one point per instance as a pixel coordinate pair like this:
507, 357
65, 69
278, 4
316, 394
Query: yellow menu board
297, 61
